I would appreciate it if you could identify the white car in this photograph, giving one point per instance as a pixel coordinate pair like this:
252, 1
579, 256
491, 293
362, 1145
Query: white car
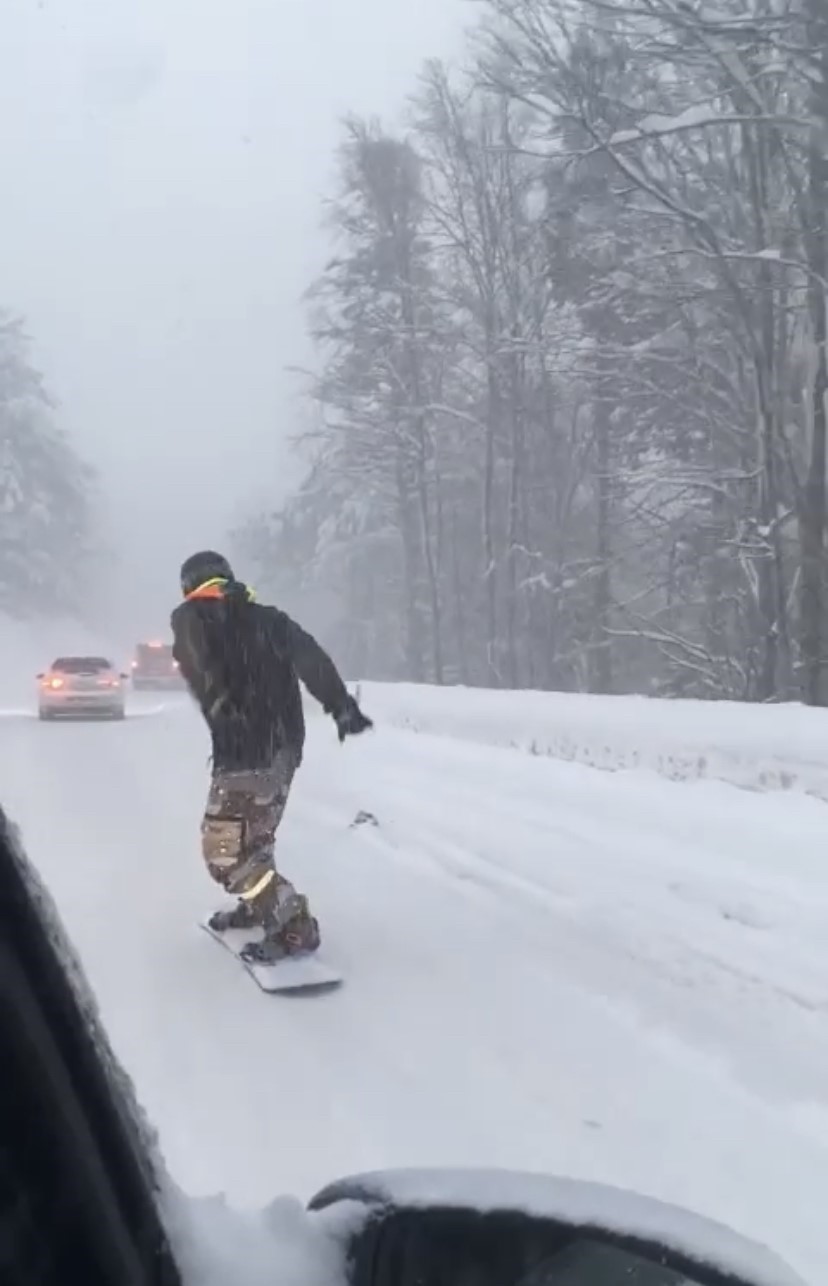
81, 687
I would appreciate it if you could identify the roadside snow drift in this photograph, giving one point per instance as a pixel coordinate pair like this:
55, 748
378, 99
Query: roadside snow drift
773, 747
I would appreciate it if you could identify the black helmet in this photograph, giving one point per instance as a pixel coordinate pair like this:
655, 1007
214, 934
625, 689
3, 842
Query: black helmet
203, 566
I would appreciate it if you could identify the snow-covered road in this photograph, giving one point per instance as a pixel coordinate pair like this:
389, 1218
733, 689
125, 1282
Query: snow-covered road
610, 976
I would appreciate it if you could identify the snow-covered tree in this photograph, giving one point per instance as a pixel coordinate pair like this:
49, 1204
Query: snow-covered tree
573, 358
45, 493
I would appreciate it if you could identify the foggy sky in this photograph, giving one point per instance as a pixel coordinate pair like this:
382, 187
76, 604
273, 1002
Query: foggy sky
163, 165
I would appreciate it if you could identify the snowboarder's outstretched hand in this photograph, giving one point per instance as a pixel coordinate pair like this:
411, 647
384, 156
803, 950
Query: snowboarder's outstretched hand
350, 720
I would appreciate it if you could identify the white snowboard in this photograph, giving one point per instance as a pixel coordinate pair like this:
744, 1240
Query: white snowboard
296, 973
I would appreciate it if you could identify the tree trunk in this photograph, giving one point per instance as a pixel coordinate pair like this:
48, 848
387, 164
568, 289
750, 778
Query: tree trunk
411, 551
431, 574
490, 571
812, 522
512, 534
459, 604
600, 654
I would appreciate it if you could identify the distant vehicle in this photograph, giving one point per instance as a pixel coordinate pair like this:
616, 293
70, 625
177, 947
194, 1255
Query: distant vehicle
155, 667
81, 687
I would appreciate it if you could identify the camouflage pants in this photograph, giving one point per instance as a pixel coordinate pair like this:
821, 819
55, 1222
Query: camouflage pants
238, 832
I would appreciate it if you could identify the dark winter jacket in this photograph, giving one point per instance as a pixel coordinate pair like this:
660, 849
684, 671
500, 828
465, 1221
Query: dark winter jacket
242, 661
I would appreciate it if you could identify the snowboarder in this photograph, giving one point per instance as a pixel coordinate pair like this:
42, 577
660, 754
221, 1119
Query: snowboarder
241, 661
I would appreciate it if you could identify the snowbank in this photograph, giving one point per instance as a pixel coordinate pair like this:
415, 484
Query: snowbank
757, 747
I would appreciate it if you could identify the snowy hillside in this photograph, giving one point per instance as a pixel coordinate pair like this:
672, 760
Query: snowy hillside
772, 747
611, 976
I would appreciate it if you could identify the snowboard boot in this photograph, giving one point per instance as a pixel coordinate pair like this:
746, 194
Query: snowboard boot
290, 931
242, 916
255, 912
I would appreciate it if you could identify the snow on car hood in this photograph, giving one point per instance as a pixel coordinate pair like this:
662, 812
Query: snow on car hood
281, 1245
577, 1202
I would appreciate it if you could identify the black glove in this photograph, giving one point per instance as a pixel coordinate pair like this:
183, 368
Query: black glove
350, 720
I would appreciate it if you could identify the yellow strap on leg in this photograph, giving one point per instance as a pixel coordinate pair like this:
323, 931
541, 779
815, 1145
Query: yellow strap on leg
259, 887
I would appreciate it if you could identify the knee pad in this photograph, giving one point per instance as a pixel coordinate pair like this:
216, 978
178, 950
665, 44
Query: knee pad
222, 844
